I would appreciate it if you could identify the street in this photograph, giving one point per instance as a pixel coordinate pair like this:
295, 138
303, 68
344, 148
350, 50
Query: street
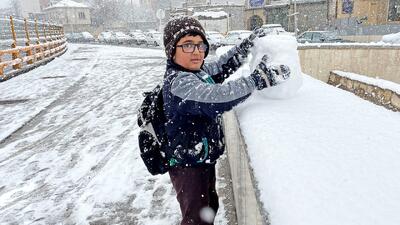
69, 151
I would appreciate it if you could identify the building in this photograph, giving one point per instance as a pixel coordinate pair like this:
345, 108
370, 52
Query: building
255, 13
213, 20
28, 8
370, 12
311, 14
235, 13
366, 17
73, 15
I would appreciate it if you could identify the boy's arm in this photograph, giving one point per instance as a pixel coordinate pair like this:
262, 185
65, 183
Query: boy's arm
230, 62
200, 98
226, 65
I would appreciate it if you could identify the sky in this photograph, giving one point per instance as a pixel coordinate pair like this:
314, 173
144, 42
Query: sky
4, 4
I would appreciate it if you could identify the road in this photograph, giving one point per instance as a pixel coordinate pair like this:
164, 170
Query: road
68, 143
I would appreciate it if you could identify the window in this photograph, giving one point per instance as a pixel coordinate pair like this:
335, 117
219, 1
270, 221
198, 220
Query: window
307, 36
82, 15
394, 10
316, 37
347, 6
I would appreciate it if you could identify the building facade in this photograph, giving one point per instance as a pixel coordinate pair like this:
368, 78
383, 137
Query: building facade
366, 17
27, 8
235, 13
74, 16
255, 13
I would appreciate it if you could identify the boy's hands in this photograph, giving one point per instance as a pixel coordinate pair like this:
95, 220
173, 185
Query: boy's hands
244, 47
269, 75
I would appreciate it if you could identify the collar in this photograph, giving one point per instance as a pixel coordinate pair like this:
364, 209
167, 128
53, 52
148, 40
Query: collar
172, 64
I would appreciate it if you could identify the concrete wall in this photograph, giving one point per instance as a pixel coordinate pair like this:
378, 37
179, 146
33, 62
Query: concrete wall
363, 38
370, 60
249, 210
384, 97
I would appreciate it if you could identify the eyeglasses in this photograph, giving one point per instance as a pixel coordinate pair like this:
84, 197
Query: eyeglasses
189, 47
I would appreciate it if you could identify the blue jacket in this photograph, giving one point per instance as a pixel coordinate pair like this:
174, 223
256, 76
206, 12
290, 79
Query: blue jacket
193, 106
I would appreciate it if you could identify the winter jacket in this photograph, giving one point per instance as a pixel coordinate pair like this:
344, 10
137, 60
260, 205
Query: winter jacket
193, 106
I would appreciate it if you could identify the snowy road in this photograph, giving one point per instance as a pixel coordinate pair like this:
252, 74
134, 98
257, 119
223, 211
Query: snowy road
68, 142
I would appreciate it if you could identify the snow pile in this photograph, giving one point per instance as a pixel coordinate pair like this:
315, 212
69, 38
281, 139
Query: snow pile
211, 14
281, 50
384, 84
324, 157
392, 38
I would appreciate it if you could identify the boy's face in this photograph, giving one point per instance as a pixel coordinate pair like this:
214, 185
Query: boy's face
184, 55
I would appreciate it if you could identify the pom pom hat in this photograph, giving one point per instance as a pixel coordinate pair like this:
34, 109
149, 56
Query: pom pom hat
178, 28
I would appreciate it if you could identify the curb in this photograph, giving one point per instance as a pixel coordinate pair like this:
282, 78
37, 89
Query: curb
249, 209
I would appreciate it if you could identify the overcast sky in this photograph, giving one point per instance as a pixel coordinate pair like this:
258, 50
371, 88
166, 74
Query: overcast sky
4, 4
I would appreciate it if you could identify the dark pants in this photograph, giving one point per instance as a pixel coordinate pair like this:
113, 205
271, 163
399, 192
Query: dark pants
195, 189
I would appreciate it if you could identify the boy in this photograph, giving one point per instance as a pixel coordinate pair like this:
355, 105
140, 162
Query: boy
194, 99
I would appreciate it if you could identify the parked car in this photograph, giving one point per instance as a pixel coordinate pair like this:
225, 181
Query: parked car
82, 37
154, 38
319, 37
138, 38
123, 38
214, 38
234, 37
87, 37
275, 29
106, 37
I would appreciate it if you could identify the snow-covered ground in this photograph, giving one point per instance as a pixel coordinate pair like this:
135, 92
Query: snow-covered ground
71, 156
323, 156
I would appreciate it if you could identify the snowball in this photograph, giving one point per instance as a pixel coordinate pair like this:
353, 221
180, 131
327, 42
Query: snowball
281, 50
207, 214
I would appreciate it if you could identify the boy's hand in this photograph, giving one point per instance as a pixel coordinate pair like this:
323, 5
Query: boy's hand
269, 75
244, 47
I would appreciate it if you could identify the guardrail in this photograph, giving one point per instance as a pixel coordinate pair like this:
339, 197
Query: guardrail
26, 44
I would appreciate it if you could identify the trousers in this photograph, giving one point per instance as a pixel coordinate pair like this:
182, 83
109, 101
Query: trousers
196, 194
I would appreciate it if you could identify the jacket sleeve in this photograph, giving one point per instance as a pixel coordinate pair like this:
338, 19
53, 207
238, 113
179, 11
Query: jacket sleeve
226, 65
199, 98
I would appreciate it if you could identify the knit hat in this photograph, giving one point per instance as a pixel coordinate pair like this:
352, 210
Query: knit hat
179, 27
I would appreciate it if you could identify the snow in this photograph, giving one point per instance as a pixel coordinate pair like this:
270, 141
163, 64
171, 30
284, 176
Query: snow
324, 156
68, 4
76, 160
392, 38
350, 44
384, 84
281, 50
211, 14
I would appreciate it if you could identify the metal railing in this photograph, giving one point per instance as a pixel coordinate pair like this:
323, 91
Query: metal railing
25, 44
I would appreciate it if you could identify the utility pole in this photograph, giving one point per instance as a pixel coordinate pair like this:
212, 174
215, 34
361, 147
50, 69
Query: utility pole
294, 14
295, 18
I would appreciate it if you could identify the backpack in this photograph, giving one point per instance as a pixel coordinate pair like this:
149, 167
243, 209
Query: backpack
152, 136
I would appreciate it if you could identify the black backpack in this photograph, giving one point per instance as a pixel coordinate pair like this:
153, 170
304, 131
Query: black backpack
152, 136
